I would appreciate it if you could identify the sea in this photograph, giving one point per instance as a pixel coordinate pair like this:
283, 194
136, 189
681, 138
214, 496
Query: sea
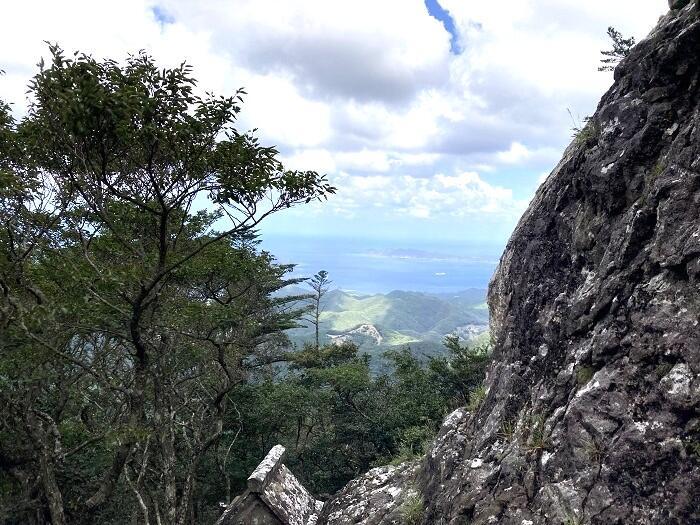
368, 266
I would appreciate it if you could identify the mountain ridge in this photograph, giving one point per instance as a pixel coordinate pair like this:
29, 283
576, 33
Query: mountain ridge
420, 320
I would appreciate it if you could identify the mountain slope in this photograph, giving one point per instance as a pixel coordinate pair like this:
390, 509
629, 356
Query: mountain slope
381, 321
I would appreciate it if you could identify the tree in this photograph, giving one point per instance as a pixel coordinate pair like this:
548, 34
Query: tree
129, 316
461, 371
621, 48
319, 285
337, 419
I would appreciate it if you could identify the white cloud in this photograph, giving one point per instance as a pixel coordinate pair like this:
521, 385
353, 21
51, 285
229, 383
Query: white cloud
334, 48
460, 195
362, 161
516, 154
368, 91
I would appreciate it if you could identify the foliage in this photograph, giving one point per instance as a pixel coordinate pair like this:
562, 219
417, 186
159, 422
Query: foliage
693, 448
594, 450
412, 510
507, 430
128, 317
144, 366
413, 443
621, 48
537, 439
584, 374
476, 398
462, 371
572, 519
584, 130
336, 418
401, 318
319, 284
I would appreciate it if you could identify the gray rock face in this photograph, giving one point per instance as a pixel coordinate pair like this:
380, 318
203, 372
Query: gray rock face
380, 496
274, 497
592, 407
680, 4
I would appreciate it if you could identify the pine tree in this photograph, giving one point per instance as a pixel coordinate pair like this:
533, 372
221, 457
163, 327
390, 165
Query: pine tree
621, 48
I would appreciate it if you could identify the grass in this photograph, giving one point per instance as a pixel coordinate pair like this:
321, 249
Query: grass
405, 453
476, 397
663, 369
584, 130
414, 443
585, 133
593, 449
412, 510
572, 520
651, 176
538, 434
658, 169
507, 431
584, 375
694, 448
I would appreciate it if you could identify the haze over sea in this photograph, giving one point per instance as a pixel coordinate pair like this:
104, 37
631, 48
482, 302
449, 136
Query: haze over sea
381, 266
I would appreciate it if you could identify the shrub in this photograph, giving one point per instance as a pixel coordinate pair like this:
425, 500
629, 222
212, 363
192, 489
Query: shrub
507, 430
412, 510
538, 438
476, 398
584, 375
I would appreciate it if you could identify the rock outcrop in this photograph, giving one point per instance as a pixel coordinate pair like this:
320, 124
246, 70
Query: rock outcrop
273, 497
592, 411
380, 496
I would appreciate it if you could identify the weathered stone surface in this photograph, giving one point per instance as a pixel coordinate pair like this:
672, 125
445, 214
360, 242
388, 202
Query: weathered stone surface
291, 502
274, 497
680, 4
592, 409
377, 497
267, 467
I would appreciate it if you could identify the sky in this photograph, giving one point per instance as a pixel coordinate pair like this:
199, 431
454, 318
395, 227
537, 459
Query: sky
435, 119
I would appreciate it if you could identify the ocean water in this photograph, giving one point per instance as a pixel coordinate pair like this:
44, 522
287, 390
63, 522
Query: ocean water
381, 266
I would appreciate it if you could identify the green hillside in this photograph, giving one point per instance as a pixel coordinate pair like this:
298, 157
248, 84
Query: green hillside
381, 322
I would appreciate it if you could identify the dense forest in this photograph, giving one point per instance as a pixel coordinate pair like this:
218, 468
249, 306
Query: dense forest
144, 363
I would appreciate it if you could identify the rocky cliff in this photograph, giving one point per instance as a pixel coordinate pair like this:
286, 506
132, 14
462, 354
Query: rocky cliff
592, 412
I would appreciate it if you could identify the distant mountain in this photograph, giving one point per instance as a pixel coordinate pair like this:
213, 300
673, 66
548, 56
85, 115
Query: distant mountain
381, 322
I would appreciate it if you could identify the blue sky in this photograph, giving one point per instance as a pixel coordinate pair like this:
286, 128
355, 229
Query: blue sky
439, 13
435, 119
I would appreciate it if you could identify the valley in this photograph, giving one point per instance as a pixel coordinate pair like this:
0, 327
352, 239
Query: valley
381, 322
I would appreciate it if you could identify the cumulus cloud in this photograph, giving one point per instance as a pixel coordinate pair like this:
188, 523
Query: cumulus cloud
457, 196
382, 96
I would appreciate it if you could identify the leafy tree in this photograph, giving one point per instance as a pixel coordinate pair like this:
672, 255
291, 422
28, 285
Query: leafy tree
144, 369
337, 419
461, 371
129, 315
621, 48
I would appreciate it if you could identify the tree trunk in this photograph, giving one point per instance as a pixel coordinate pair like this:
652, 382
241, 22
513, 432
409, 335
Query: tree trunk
186, 499
52, 492
169, 475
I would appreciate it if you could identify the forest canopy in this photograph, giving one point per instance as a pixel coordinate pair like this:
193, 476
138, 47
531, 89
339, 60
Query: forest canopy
144, 366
